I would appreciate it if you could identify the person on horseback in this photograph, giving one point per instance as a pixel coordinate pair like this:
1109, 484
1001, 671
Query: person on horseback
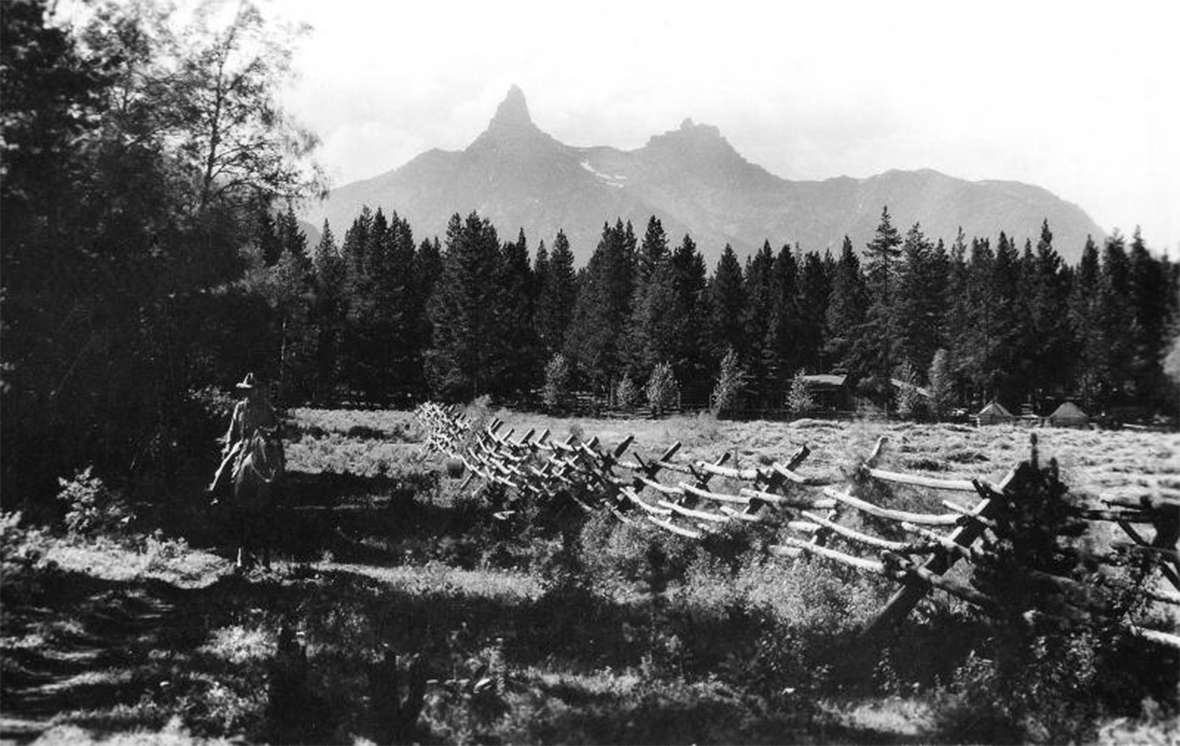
254, 411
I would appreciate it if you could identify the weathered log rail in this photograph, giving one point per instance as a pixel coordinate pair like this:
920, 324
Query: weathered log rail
677, 497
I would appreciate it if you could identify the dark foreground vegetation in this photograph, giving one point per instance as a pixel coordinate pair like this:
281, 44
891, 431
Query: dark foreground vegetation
151, 255
402, 609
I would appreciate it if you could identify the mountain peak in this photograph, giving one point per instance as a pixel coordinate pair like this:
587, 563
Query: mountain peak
513, 113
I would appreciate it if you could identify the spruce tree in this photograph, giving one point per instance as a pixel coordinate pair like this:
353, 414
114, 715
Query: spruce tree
521, 358
328, 316
846, 310
780, 354
919, 302
759, 301
1116, 316
1149, 305
813, 293
1088, 330
466, 354
558, 295
728, 302
956, 325
602, 308
692, 342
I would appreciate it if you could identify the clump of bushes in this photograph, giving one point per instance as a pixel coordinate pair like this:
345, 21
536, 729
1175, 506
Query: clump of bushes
91, 508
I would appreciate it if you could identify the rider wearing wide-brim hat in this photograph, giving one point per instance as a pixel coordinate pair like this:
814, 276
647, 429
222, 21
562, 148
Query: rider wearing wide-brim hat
252, 412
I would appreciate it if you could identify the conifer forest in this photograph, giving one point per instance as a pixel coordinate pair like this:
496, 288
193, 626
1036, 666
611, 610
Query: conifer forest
798, 493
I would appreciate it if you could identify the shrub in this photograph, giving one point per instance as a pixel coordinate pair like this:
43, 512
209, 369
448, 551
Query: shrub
942, 394
557, 381
92, 509
730, 381
799, 399
662, 388
910, 402
626, 393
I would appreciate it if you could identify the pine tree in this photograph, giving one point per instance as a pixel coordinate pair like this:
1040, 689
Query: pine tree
646, 341
882, 252
875, 346
1116, 315
759, 299
465, 358
919, 302
521, 355
1085, 318
1003, 363
424, 273
328, 315
813, 293
603, 306
1149, 305
780, 354
1049, 340
728, 295
846, 310
691, 344
558, 295
956, 325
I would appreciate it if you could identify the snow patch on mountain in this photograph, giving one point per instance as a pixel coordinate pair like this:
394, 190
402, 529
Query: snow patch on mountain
611, 180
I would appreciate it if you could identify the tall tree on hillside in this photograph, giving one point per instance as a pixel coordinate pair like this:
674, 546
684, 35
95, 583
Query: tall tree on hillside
466, 354
1149, 304
882, 254
727, 294
691, 347
425, 272
1116, 314
644, 344
956, 325
982, 334
1003, 363
1088, 330
523, 360
602, 308
328, 315
846, 310
759, 299
1049, 338
875, 347
813, 293
558, 295
919, 302
780, 354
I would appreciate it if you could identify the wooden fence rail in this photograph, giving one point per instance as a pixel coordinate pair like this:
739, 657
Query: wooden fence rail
777, 497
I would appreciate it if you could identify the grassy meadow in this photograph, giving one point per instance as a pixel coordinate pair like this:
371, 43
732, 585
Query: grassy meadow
549, 626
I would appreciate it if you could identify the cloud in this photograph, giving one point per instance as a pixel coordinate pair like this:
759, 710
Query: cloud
1078, 98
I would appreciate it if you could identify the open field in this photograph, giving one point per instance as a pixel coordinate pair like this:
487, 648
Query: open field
552, 629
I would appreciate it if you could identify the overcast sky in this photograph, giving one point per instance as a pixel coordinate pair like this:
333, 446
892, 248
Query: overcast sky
1080, 98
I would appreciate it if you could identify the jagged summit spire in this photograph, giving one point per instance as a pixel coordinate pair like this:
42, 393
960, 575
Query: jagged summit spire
512, 113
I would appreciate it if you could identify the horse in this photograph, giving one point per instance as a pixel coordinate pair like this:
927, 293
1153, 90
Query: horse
255, 488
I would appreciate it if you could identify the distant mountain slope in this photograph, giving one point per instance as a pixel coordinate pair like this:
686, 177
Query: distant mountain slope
695, 182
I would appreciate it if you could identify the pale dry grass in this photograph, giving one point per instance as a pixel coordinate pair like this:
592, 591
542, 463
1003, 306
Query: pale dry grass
1106, 463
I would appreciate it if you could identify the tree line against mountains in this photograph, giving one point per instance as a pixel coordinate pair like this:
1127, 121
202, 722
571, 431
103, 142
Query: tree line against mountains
475, 315
149, 257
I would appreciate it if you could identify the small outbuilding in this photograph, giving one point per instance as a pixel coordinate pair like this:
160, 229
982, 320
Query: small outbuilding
994, 414
1069, 415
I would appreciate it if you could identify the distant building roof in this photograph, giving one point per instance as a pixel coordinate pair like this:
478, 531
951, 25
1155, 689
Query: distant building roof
1069, 412
994, 409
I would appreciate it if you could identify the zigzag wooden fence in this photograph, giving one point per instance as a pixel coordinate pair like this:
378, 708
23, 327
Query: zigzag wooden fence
677, 497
